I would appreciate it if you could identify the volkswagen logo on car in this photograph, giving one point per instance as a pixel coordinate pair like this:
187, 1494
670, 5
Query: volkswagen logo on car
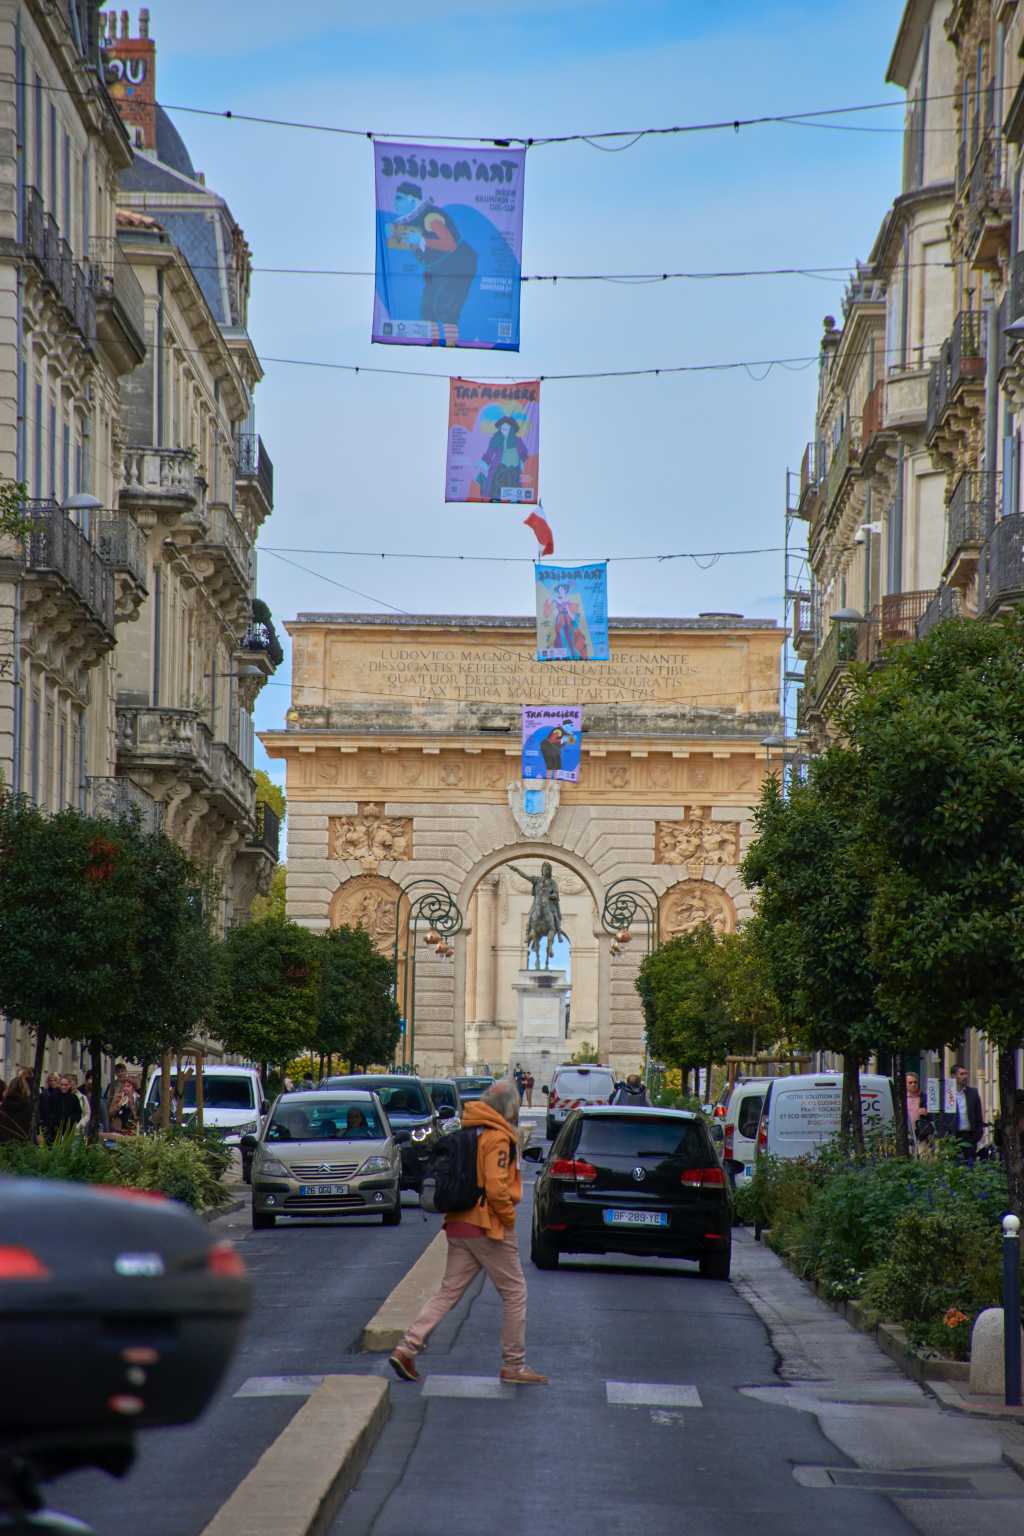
639, 1174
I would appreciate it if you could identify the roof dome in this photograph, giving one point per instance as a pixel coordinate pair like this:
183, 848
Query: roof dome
170, 146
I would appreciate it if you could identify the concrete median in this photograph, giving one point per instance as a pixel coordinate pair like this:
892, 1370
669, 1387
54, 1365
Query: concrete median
386, 1327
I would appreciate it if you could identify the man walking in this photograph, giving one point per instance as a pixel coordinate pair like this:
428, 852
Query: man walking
632, 1092
484, 1238
968, 1123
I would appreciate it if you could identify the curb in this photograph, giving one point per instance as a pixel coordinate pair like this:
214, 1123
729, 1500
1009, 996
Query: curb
217, 1211
387, 1326
297, 1486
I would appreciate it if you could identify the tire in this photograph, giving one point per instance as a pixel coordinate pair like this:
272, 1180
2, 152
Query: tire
550, 1129
714, 1264
262, 1221
543, 1254
393, 1218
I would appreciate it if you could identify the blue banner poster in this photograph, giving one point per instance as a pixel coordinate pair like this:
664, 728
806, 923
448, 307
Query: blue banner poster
572, 612
551, 742
449, 246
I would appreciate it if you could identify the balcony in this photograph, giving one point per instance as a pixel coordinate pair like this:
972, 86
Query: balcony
893, 622
177, 742
970, 515
70, 283
956, 385
255, 467
120, 304
260, 646
266, 838
844, 457
122, 544
1001, 566
946, 604
804, 628
61, 564
872, 421
988, 208
233, 787
227, 553
164, 480
119, 799
832, 662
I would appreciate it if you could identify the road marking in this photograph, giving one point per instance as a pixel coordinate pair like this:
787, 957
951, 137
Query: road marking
466, 1386
279, 1386
651, 1394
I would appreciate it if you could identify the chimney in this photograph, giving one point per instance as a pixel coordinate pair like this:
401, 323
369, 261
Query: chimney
130, 64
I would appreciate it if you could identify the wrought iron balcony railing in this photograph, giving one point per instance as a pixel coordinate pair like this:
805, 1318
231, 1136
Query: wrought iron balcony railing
116, 284
255, 463
70, 282
874, 413
56, 544
894, 621
1001, 566
266, 837
119, 798
972, 509
946, 604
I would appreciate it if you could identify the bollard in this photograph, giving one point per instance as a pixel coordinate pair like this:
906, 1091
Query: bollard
1011, 1311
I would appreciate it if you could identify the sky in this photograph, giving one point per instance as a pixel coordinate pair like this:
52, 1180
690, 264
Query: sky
629, 466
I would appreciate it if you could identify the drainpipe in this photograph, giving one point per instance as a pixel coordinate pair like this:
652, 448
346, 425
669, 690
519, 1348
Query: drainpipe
19, 452
991, 407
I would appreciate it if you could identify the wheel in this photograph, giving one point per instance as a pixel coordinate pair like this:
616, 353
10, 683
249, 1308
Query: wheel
392, 1218
714, 1265
551, 1129
543, 1253
262, 1221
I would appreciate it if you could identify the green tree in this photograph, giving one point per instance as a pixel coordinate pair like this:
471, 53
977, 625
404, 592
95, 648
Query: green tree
751, 1003
268, 990
683, 990
938, 734
269, 793
14, 522
357, 1014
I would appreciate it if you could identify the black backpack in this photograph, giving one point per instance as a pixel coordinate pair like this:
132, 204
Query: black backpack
450, 1181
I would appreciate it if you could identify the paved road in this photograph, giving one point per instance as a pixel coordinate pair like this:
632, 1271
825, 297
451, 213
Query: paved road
315, 1286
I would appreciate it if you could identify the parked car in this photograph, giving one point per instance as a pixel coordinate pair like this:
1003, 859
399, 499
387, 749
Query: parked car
571, 1088
800, 1114
641, 1181
444, 1094
742, 1117
233, 1101
326, 1154
411, 1112
471, 1088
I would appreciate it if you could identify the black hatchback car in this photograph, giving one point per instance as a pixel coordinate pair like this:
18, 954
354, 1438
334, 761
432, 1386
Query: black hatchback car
415, 1119
640, 1181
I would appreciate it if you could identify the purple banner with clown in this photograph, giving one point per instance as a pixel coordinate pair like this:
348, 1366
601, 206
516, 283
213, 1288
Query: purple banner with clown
551, 742
493, 442
449, 246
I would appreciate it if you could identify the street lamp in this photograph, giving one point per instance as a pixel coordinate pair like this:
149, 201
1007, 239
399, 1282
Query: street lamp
624, 901
430, 901
84, 505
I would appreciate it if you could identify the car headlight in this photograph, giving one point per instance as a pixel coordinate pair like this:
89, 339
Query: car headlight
250, 1128
273, 1166
447, 1126
375, 1165
422, 1132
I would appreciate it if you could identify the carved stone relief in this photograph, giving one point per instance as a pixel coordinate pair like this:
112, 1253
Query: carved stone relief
697, 841
693, 902
370, 903
534, 816
371, 837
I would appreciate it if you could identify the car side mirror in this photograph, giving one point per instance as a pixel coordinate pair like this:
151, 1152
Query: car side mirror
445, 1112
534, 1155
402, 1136
249, 1142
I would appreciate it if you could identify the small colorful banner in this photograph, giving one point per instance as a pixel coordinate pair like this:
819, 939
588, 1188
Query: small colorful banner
493, 442
551, 742
449, 246
572, 612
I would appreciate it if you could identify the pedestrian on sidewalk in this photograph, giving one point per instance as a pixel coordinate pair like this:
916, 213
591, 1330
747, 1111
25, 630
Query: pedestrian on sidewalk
530, 1084
520, 1081
484, 1238
632, 1093
967, 1123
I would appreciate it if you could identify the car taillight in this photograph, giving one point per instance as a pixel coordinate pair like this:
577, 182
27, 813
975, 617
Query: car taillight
21, 1264
571, 1168
719, 1111
225, 1260
762, 1136
703, 1178
729, 1133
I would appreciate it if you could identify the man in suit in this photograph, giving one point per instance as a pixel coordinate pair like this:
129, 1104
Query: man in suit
967, 1124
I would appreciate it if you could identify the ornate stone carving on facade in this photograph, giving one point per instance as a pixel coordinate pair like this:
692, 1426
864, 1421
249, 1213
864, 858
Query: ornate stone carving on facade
659, 774
326, 771
693, 902
618, 776
368, 902
452, 774
697, 841
410, 770
534, 817
370, 837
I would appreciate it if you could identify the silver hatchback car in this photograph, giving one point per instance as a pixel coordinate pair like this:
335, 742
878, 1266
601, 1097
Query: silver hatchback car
326, 1154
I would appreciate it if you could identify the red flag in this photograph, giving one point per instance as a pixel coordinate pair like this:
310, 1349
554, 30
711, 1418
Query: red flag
542, 528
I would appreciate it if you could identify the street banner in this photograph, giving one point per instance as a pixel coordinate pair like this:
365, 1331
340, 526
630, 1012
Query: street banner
949, 1096
551, 742
493, 442
572, 612
449, 246
932, 1101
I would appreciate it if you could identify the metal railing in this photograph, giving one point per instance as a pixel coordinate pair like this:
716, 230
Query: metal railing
116, 284
967, 347
874, 413
812, 467
120, 799
225, 533
847, 451
948, 603
122, 544
972, 508
1001, 567
894, 621
71, 283
54, 543
837, 650
254, 463
267, 833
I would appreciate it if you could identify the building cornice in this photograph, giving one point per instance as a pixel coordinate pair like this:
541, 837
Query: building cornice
457, 623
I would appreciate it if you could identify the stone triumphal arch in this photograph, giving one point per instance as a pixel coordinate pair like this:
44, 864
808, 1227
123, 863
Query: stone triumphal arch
402, 752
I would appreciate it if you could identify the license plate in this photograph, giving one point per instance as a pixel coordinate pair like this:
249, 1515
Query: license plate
636, 1218
323, 1189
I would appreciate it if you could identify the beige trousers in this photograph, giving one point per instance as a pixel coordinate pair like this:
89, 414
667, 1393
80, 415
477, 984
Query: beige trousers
467, 1256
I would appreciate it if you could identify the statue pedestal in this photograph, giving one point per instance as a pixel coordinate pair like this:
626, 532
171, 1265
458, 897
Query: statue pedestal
542, 1001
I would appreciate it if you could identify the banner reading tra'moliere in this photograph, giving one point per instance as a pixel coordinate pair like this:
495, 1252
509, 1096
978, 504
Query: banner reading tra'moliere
493, 442
551, 742
449, 246
572, 612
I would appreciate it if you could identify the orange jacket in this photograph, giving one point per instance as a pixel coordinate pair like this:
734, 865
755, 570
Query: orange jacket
497, 1172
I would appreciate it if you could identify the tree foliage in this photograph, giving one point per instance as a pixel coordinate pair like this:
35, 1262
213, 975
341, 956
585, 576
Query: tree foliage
273, 904
357, 1014
269, 793
684, 992
268, 992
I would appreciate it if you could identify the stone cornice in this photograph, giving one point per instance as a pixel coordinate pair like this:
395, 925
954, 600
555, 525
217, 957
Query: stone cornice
86, 87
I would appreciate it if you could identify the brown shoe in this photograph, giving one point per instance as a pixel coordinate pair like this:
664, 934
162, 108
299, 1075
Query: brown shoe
522, 1376
403, 1365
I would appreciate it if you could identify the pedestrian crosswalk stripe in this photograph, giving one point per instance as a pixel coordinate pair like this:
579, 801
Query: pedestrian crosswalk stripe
279, 1386
466, 1386
651, 1394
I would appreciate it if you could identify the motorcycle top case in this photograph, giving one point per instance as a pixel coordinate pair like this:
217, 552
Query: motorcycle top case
115, 1311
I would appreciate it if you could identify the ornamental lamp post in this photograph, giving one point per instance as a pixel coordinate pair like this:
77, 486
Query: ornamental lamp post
624, 901
424, 900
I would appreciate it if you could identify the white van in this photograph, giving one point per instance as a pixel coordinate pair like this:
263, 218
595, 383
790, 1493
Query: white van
233, 1101
572, 1086
742, 1117
800, 1114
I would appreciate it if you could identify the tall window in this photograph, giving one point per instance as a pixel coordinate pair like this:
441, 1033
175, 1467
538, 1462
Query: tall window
53, 194
33, 747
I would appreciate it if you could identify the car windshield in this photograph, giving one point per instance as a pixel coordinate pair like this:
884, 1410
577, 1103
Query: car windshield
631, 1136
468, 1086
443, 1093
400, 1096
328, 1119
218, 1092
